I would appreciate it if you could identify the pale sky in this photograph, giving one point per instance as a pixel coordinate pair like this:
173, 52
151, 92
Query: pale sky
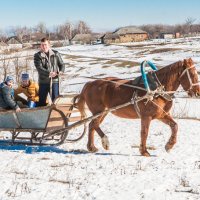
100, 15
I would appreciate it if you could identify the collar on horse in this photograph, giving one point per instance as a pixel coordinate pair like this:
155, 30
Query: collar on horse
159, 89
144, 76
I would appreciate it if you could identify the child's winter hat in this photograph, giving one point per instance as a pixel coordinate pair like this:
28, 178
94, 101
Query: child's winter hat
25, 76
9, 78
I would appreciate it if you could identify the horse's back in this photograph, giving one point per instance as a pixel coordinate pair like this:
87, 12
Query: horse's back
94, 93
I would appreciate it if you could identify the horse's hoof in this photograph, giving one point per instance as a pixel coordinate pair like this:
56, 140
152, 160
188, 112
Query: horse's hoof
168, 147
146, 154
92, 149
105, 142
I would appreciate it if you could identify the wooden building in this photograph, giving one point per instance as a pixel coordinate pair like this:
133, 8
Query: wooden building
85, 39
167, 35
14, 43
125, 34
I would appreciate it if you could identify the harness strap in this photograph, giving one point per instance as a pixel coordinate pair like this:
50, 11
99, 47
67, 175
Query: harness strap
189, 77
135, 104
185, 70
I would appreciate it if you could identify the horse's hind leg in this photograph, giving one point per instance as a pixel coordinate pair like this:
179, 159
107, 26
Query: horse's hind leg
174, 127
94, 125
145, 122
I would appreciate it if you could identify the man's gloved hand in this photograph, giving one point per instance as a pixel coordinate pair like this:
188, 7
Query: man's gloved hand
52, 74
61, 73
18, 109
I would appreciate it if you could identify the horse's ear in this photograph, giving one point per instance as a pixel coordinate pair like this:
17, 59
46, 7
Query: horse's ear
185, 62
191, 61
188, 62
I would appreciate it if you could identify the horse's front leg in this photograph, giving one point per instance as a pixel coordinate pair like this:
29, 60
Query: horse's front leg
174, 128
104, 138
145, 122
94, 125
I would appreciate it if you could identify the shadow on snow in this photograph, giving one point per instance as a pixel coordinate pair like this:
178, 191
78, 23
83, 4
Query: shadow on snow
54, 149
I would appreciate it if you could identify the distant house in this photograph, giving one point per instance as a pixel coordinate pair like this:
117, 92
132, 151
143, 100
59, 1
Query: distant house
167, 35
111, 38
14, 43
125, 34
86, 39
177, 35
81, 39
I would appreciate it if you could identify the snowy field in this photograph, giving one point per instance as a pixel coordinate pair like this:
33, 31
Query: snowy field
71, 172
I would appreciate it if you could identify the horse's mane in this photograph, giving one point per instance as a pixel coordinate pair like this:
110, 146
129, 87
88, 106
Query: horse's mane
169, 72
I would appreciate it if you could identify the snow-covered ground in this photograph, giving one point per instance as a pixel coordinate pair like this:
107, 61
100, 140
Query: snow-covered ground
70, 172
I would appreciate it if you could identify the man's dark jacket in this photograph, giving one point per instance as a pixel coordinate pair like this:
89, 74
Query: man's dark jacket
7, 97
46, 64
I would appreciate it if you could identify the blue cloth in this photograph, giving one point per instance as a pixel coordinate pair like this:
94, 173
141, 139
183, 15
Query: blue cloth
31, 104
55, 90
12, 92
44, 89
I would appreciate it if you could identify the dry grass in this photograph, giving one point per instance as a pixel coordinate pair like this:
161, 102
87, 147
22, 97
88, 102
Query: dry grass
107, 63
149, 45
60, 181
143, 45
121, 63
158, 59
128, 64
164, 50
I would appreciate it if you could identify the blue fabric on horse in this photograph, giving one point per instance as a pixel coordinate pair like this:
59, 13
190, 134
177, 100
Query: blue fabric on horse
144, 76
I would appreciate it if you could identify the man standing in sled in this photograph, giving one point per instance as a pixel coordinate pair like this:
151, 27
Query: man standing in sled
49, 65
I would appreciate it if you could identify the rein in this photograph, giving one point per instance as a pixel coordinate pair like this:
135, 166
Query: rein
189, 77
124, 84
158, 91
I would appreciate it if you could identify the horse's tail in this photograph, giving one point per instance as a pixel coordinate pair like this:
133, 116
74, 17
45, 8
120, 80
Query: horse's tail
79, 102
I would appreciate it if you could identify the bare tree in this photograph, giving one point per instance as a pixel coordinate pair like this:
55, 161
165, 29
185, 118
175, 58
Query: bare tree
82, 27
189, 22
66, 30
154, 30
41, 27
20, 32
179, 28
2, 35
5, 66
17, 69
196, 28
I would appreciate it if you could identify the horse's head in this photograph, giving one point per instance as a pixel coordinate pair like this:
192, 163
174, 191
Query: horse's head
189, 78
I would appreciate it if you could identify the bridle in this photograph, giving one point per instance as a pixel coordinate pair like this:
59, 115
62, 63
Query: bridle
189, 77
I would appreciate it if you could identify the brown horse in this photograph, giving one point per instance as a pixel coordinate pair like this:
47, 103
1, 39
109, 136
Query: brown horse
103, 94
